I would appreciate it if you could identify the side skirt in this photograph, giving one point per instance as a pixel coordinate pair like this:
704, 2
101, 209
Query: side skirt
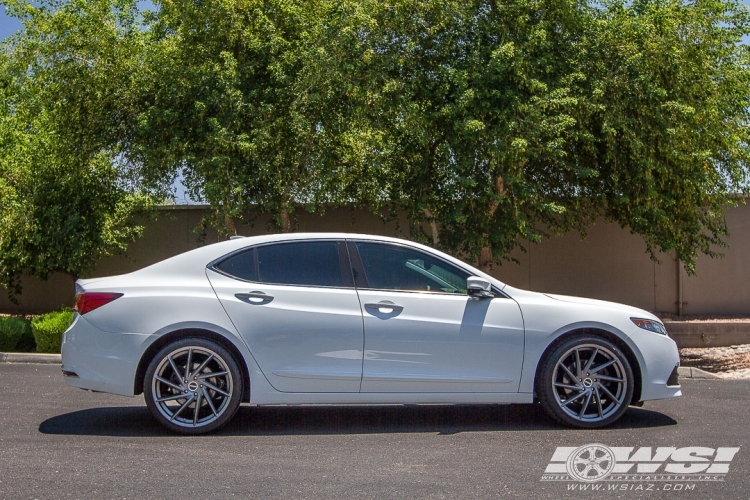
290, 398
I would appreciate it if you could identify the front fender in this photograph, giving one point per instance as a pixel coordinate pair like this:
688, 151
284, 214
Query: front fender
538, 343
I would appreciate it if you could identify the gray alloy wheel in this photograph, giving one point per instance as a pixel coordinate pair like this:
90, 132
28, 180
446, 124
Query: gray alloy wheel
193, 386
585, 382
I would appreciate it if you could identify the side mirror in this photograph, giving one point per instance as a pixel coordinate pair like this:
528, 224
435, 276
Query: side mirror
478, 287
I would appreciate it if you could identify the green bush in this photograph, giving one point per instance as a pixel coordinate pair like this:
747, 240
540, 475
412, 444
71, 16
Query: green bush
49, 328
15, 335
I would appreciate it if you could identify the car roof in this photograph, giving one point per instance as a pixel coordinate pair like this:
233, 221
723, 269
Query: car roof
194, 262
205, 254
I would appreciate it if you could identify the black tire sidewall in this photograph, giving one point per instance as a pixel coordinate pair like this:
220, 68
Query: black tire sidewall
234, 370
545, 391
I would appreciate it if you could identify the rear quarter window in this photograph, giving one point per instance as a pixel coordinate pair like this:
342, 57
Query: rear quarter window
241, 265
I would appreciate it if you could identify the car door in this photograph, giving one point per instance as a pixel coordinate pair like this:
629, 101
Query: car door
423, 333
295, 306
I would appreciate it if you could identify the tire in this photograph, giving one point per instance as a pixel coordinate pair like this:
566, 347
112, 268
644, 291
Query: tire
585, 382
193, 386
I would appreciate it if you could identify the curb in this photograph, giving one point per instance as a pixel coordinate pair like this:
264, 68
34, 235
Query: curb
709, 333
32, 357
696, 373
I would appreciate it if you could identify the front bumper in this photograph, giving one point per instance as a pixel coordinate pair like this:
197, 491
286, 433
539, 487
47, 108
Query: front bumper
101, 361
659, 361
674, 378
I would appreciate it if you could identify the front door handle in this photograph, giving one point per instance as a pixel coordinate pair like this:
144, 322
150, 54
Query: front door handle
255, 297
385, 307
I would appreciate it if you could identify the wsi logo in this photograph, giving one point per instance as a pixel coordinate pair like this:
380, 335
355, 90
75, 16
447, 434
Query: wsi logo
597, 462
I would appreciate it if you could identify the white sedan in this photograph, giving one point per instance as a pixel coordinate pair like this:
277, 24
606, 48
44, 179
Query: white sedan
329, 318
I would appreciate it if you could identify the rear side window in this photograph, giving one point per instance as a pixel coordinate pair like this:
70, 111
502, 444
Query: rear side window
311, 263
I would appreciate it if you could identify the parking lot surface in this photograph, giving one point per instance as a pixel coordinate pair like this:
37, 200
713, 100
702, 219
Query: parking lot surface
59, 442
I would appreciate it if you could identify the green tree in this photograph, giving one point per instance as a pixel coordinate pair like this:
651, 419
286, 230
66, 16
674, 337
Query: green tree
65, 86
472, 94
254, 103
502, 120
488, 122
664, 122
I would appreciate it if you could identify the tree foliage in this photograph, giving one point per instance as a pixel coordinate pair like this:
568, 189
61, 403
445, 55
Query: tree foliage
505, 119
253, 101
665, 120
476, 108
66, 83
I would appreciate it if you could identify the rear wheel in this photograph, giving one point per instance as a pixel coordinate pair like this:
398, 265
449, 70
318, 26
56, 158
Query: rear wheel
585, 382
193, 386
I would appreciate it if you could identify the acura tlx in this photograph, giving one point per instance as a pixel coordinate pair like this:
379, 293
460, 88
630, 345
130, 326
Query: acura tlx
333, 318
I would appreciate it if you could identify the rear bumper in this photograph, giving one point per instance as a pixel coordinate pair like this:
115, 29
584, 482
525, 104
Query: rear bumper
101, 361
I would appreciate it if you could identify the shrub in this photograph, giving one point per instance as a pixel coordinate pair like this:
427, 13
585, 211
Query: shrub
15, 335
49, 328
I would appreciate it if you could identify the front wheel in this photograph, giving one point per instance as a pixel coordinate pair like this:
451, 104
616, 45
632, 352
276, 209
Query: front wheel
585, 382
193, 386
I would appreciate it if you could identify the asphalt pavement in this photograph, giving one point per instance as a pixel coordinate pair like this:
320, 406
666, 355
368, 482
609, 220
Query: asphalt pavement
60, 442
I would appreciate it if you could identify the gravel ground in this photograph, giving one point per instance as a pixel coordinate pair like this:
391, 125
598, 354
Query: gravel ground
705, 318
727, 362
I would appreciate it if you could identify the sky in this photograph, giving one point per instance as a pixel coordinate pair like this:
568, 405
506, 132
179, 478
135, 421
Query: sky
9, 25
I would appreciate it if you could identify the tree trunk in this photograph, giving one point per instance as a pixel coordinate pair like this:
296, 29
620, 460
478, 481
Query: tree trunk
485, 254
286, 220
433, 227
485, 259
230, 226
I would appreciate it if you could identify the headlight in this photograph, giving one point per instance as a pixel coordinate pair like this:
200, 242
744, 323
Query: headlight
650, 325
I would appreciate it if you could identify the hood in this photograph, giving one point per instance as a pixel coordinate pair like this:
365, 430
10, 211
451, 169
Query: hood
633, 311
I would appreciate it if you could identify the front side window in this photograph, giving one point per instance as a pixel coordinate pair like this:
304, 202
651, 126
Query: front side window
392, 267
311, 263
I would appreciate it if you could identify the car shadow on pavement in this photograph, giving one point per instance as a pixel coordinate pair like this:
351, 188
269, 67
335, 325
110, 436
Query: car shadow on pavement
136, 421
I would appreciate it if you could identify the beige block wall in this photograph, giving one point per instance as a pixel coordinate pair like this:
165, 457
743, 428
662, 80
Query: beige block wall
171, 233
723, 285
610, 264
40, 296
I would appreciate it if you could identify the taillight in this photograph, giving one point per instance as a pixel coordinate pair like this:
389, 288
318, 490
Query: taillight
88, 301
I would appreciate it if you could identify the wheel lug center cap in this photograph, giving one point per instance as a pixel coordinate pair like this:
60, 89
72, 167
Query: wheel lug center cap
192, 386
587, 382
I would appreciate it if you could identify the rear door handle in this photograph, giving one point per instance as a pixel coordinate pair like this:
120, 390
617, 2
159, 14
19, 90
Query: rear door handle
255, 297
385, 307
